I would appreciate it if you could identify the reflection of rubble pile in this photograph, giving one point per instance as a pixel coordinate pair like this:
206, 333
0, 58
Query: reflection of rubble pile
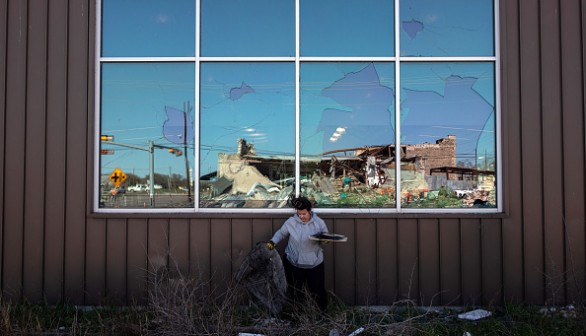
476, 197
356, 176
241, 184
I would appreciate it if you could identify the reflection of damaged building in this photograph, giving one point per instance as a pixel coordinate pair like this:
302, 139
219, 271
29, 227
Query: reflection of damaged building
417, 161
428, 156
427, 166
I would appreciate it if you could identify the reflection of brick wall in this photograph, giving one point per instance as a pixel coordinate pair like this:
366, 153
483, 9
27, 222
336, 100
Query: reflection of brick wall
440, 154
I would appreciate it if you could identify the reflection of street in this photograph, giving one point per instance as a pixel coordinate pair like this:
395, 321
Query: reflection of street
177, 200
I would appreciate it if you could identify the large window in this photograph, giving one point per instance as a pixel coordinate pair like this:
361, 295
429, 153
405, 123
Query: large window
360, 105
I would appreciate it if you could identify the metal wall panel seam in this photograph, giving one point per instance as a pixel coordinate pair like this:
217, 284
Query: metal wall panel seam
64, 250
573, 129
24, 182
3, 65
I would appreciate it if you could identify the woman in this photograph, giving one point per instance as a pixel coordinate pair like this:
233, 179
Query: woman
304, 258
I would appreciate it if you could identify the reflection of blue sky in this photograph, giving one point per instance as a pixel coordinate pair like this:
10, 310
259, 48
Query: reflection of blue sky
262, 112
446, 28
134, 97
449, 98
347, 28
256, 100
248, 28
357, 97
148, 28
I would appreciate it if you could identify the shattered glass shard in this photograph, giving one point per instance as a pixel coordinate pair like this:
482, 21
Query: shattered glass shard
412, 27
237, 92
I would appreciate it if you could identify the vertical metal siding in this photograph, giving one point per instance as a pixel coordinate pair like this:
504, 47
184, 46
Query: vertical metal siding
55, 151
429, 262
53, 248
136, 261
512, 168
492, 261
3, 92
241, 231
386, 249
95, 259
450, 262
345, 261
366, 261
36, 95
408, 260
330, 281
77, 133
553, 232
179, 246
573, 144
531, 152
14, 137
116, 266
221, 251
200, 248
471, 259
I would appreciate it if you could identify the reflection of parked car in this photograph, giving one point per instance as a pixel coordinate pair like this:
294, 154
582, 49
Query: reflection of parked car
138, 187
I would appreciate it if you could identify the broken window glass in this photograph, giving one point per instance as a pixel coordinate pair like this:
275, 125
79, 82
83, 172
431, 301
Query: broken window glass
147, 117
448, 135
349, 136
347, 28
247, 132
447, 28
347, 133
248, 28
148, 28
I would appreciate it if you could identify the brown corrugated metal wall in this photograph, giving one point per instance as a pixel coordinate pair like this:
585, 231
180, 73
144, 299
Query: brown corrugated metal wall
53, 248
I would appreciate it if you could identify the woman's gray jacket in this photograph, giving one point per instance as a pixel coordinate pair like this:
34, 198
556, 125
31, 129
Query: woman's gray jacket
301, 251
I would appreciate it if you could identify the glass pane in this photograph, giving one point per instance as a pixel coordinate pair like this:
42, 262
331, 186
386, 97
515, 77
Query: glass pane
448, 135
347, 134
347, 28
143, 108
134, 28
248, 28
247, 134
447, 28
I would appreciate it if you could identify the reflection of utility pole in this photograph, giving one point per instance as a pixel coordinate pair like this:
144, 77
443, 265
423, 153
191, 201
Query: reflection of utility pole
169, 180
152, 173
186, 109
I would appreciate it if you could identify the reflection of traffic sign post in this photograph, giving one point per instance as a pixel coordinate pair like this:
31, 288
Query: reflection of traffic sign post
117, 177
151, 150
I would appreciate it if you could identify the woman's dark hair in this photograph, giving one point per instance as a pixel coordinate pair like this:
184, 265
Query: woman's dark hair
300, 203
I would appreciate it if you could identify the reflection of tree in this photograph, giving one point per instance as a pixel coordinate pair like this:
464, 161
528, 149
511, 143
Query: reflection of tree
465, 164
132, 179
176, 180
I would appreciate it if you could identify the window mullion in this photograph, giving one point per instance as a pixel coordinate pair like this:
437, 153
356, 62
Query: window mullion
196, 140
297, 103
397, 107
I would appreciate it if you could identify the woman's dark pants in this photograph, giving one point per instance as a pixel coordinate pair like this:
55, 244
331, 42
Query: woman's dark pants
313, 278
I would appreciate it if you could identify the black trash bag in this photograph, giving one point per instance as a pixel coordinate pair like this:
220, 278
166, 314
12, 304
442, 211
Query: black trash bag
263, 276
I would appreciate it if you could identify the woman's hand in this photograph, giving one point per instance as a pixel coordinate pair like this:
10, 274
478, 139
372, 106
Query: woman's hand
270, 245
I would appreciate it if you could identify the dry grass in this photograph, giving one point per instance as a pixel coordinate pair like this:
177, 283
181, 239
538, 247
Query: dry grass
189, 305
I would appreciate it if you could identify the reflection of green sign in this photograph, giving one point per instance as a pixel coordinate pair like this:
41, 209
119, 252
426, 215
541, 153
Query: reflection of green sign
117, 177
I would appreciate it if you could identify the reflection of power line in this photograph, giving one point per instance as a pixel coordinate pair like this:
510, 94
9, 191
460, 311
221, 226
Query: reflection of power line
465, 129
130, 129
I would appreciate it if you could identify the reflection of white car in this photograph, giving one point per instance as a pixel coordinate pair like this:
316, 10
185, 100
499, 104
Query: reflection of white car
157, 187
138, 187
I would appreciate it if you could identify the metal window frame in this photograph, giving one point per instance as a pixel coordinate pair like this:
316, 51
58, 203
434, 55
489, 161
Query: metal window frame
298, 59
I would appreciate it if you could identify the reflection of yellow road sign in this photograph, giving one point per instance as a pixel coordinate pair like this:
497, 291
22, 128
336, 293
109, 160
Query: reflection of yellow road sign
117, 177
